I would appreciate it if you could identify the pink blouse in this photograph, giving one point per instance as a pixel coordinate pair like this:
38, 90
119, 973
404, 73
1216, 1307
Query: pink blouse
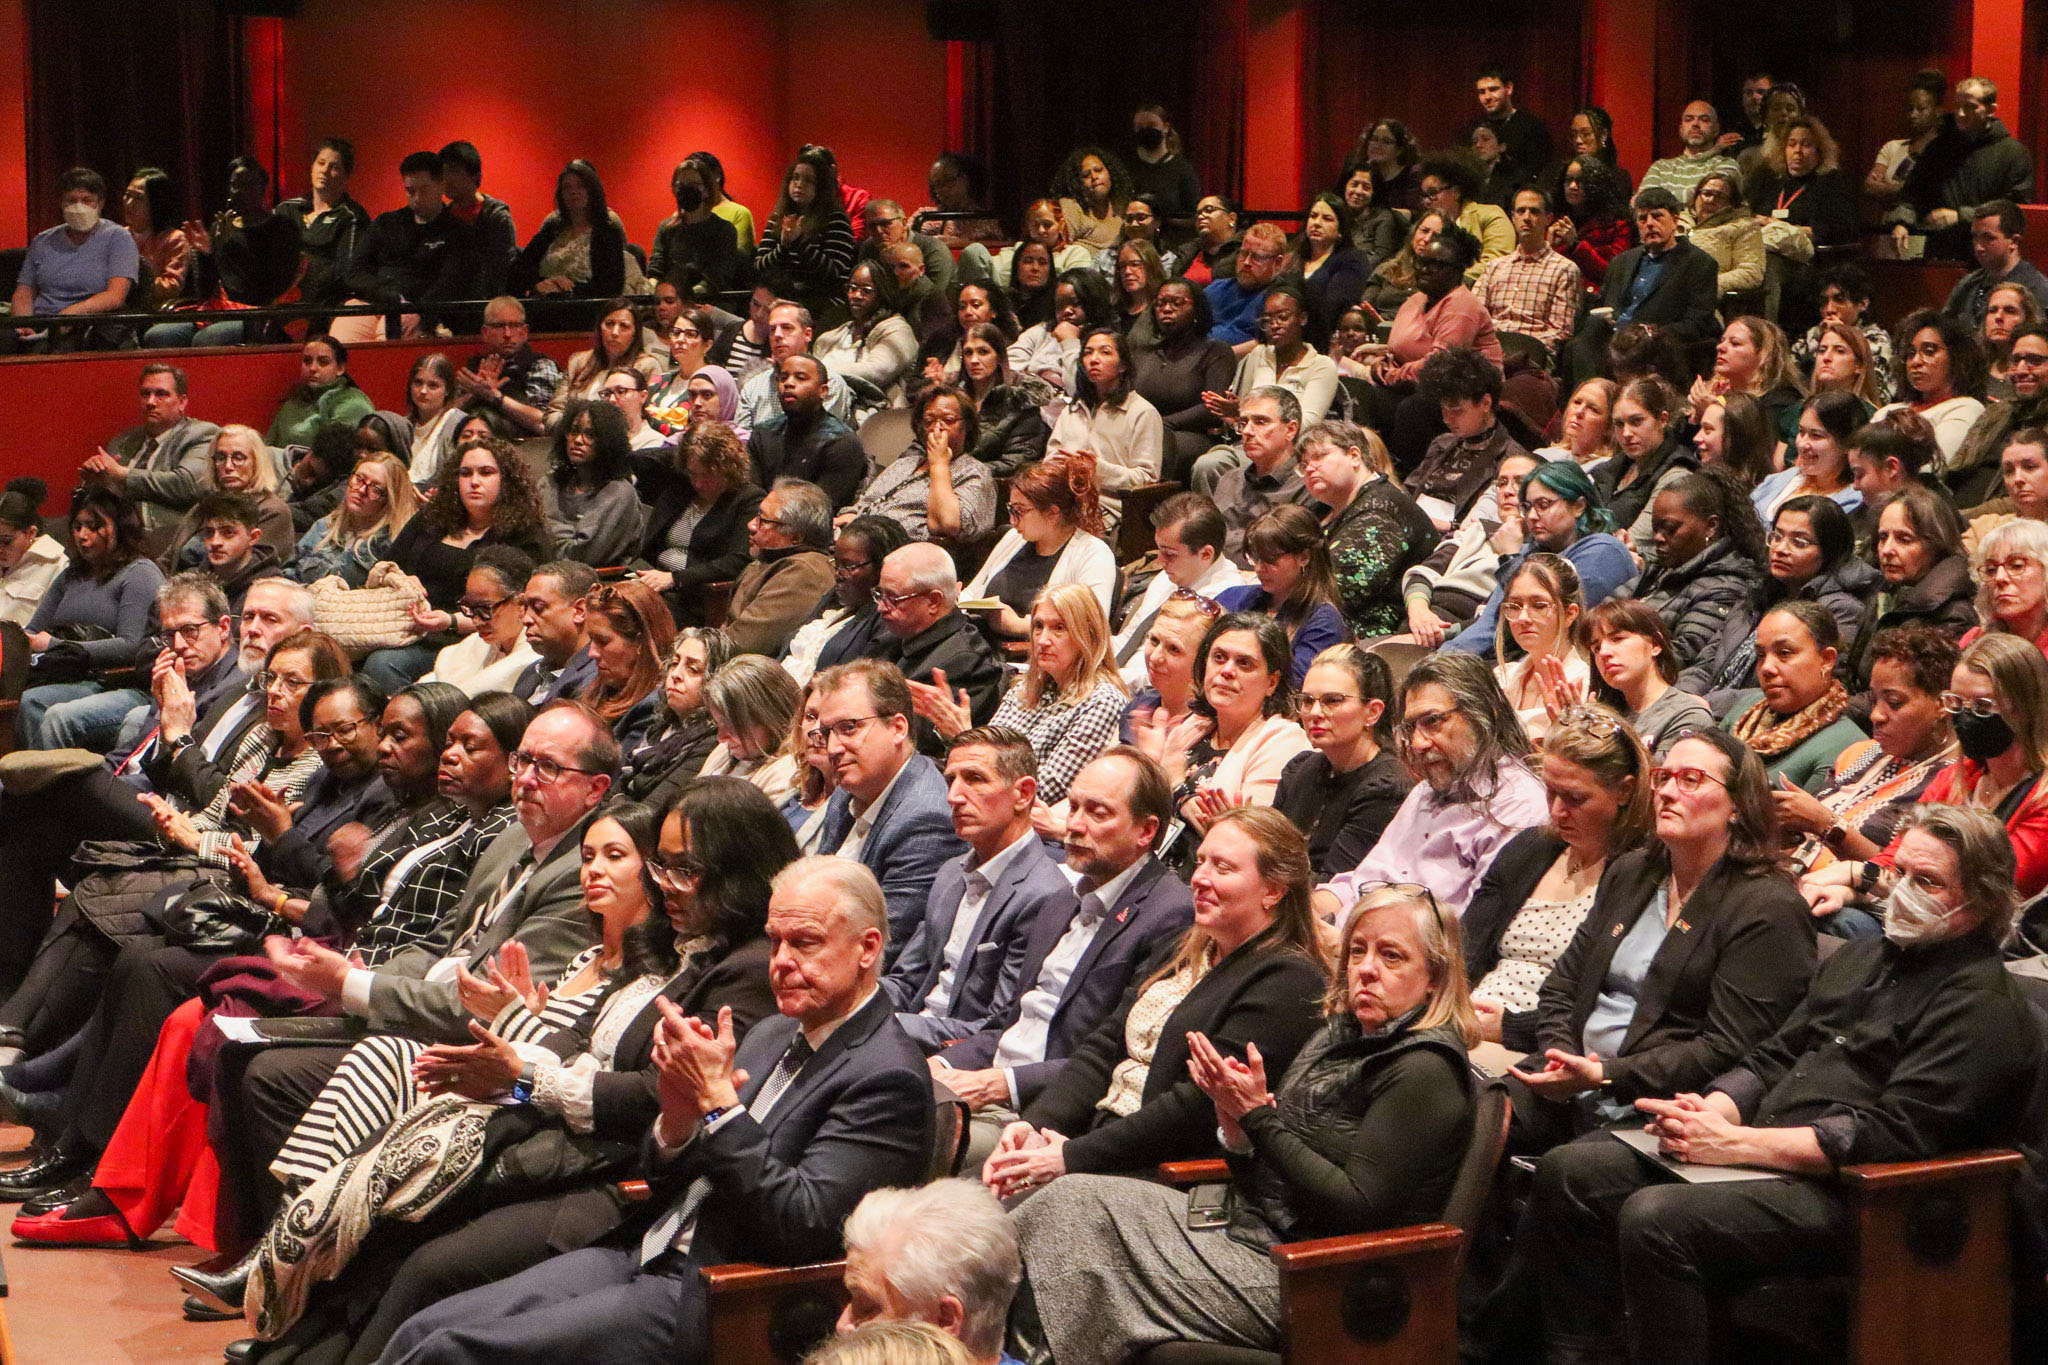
1458, 319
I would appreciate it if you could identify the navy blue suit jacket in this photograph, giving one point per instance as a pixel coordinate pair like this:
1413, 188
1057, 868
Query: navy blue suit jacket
1146, 921
857, 1117
911, 838
575, 676
987, 979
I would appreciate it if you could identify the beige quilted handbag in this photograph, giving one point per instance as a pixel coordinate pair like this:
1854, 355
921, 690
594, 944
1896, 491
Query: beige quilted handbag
377, 615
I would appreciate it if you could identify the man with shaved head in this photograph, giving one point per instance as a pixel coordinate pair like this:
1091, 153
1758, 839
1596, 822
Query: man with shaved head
925, 633
1700, 154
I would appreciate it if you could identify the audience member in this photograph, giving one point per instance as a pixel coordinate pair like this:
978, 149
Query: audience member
488, 219
1664, 282
1926, 575
1995, 237
1377, 227
1819, 463
1375, 532
1700, 154
889, 811
1212, 255
1474, 790
667, 736
1938, 372
2007, 309
1055, 536
492, 658
1440, 316
249, 257
1236, 298
1731, 433
788, 538
614, 341
1812, 556
553, 612
1710, 561
161, 463
962, 967
1636, 673
936, 488
1845, 300
1520, 132
30, 559
788, 329
931, 641
1269, 423
1532, 291
1558, 512
1333, 273
1753, 358
1594, 223
697, 528
324, 396
1453, 469
1296, 584
1171, 648
1444, 591
695, 243
849, 623
1724, 227
1892, 170
1974, 473
1986, 163
1347, 786
509, 377
1542, 609
409, 259
1795, 722
1092, 187
579, 251
942, 1257
1648, 457
331, 222
85, 265
807, 241
1188, 533
805, 439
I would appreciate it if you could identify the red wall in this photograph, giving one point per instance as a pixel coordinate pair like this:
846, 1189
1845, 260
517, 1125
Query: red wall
74, 403
630, 85
14, 225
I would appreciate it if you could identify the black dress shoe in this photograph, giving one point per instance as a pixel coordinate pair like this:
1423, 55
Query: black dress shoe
241, 1352
223, 1288
56, 1199
199, 1310
46, 1173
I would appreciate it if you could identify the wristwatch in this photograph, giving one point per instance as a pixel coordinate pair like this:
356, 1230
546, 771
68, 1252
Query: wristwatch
522, 1089
1835, 835
712, 1116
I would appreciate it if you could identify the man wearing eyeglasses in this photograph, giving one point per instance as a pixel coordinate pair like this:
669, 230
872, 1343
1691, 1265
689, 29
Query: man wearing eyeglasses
890, 811
526, 887
928, 637
1236, 301
508, 374
790, 539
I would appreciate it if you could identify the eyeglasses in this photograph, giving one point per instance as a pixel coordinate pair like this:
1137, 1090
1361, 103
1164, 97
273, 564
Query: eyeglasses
476, 609
1955, 703
359, 484
1208, 606
266, 680
1323, 701
1542, 507
546, 769
2018, 566
188, 633
341, 732
1428, 723
1414, 889
847, 568
845, 729
1517, 606
1597, 723
1791, 540
1020, 510
2027, 359
615, 392
1689, 780
673, 874
768, 521
892, 601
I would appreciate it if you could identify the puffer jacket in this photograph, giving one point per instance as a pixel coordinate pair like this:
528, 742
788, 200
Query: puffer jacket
1944, 597
1974, 475
1366, 1131
1013, 432
1730, 662
1695, 598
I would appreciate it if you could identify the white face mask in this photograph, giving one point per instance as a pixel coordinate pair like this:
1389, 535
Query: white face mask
81, 217
1913, 915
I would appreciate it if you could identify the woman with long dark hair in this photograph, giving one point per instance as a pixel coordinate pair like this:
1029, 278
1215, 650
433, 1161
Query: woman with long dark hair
1297, 584
598, 518
1110, 419
631, 635
1173, 373
681, 733
1092, 188
1938, 371
324, 396
1345, 789
617, 340
579, 251
807, 242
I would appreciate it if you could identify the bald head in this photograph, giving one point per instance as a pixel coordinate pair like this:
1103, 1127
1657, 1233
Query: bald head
1699, 126
921, 587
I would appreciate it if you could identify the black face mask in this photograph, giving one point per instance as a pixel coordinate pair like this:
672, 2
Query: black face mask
690, 198
1981, 737
1151, 139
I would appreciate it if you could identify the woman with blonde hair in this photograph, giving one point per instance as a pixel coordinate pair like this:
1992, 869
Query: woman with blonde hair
239, 463
1364, 1128
1070, 701
891, 1342
1752, 357
1587, 435
1543, 610
346, 543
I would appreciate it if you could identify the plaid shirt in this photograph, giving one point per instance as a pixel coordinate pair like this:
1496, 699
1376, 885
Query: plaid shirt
1534, 295
1067, 736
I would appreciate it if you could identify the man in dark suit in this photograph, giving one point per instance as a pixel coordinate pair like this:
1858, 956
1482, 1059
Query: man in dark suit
1666, 282
925, 633
553, 616
1085, 951
526, 887
760, 1153
964, 963
890, 811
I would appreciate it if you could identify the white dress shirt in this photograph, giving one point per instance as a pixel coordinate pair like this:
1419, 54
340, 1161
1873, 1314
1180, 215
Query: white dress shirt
967, 921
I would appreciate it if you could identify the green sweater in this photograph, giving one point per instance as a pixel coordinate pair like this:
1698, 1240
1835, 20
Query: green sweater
297, 419
1810, 762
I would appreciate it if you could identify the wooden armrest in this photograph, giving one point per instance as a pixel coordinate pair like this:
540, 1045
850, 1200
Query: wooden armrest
1194, 1172
635, 1191
1365, 1246
741, 1276
1877, 1177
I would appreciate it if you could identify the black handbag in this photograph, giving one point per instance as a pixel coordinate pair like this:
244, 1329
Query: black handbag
539, 1156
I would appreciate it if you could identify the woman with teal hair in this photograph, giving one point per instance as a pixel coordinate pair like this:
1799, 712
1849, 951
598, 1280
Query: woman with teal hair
1561, 514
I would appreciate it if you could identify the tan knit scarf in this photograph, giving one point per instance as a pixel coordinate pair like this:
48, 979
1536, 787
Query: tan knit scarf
1768, 735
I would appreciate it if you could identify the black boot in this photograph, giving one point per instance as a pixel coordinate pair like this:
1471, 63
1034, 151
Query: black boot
224, 1288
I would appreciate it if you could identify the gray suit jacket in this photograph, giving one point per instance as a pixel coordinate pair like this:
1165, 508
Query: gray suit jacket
987, 979
175, 474
548, 917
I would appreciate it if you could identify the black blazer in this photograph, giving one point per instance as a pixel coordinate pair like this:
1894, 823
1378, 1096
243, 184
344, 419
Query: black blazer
1146, 921
1684, 298
1729, 972
1503, 891
718, 543
1263, 993
857, 1117
607, 260
624, 1102
1338, 285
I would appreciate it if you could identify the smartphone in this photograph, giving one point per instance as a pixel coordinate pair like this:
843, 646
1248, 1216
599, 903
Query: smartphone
1205, 1207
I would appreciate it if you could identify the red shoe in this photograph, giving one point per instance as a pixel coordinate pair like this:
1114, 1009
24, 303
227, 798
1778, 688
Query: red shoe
59, 1228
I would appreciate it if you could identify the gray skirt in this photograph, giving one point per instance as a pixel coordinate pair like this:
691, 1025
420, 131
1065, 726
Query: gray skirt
1115, 1269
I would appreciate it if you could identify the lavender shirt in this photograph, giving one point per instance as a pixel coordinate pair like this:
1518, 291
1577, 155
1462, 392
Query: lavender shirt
1446, 845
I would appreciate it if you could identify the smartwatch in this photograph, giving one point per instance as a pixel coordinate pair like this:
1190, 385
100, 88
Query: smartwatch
522, 1089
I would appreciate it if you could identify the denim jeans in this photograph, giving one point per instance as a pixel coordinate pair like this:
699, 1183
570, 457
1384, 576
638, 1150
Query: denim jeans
93, 722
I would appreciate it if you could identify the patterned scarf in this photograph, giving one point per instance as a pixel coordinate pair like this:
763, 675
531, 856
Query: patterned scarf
1764, 731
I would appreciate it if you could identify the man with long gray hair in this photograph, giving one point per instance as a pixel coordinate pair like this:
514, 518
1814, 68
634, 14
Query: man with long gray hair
1462, 743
